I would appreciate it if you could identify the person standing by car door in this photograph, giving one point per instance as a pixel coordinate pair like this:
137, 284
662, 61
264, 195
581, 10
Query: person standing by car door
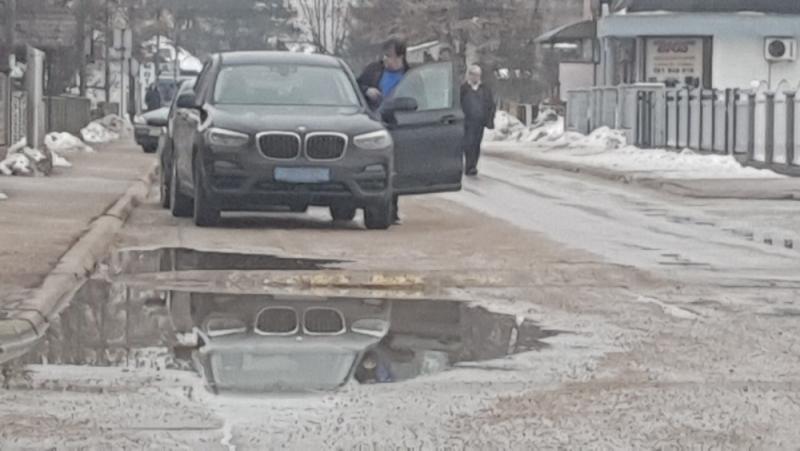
152, 98
378, 81
477, 102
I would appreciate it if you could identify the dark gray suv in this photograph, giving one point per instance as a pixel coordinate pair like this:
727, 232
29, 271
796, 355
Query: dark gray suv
267, 129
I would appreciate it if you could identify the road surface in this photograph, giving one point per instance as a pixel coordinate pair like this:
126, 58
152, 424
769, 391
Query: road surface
672, 324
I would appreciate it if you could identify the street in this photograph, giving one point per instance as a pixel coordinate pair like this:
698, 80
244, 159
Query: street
655, 321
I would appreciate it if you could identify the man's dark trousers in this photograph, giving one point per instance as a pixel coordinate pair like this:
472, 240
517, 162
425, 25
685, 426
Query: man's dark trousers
473, 136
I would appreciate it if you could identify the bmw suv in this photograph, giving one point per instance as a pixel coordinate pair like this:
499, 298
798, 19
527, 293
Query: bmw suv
267, 129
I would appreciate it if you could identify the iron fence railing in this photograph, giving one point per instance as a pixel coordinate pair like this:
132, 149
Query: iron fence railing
759, 127
61, 114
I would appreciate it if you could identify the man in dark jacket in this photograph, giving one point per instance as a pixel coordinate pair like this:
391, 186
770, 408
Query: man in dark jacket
477, 103
378, 81
381, 77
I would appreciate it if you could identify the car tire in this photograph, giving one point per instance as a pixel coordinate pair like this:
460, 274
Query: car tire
378, 217
149, 149
164, 187
344, 213
180, 204
205, 214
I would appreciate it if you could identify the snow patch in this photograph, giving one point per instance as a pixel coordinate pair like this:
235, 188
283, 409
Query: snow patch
23, 160
608, 148
65, 142
59, 161
107, 129
96, 133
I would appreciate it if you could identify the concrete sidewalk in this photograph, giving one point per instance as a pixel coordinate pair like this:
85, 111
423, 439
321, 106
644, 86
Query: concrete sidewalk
45, 216
734, 188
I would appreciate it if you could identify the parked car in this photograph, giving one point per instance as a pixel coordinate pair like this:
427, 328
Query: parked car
147, 128
282, 128
166, 141
256, 343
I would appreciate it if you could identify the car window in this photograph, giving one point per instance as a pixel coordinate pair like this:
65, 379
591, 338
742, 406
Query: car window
203, 79
431, 86
284, 84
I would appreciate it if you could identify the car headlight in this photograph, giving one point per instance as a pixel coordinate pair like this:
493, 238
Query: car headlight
227, 138
139, 120
374, 141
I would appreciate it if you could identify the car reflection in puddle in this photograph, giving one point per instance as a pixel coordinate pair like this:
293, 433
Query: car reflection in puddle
247, 343
274, 343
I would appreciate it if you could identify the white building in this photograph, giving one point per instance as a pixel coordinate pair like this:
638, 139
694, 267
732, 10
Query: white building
711, 43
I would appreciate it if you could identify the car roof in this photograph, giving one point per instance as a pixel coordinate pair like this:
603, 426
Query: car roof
270, 57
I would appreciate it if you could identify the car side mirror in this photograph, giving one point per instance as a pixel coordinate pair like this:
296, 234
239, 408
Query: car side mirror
157, 122
400, 104
187, 100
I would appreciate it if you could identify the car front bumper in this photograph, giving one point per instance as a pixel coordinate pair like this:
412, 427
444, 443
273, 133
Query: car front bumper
246, 180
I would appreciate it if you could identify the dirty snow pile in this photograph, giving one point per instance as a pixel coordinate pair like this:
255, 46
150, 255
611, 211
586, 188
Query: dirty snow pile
22, 160
607, 148
547, 127
107, 129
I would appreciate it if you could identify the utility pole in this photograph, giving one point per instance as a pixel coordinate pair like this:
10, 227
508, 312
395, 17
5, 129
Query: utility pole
109, 42
9, 25
177, 62
81, 46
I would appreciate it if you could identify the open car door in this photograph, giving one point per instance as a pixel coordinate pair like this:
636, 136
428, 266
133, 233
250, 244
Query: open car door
427, 125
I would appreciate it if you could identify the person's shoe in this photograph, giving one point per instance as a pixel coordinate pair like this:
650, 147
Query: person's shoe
472, 172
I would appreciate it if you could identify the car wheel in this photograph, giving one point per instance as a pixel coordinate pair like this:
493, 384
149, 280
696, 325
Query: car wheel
378, 217
164, 190
343, 212
150, 149
205, 215
180, 204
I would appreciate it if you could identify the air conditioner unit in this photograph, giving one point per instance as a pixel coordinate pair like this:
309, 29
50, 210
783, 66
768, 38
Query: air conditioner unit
780, 49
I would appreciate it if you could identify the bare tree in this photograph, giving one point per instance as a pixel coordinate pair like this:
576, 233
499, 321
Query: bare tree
328, 21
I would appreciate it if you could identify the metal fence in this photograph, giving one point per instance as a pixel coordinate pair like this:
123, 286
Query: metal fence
61, 114
759, 127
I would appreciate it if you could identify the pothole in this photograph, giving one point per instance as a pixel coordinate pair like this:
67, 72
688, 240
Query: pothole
135, 261
272, 341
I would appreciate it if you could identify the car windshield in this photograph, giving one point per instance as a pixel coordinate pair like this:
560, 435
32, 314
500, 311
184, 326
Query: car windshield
284, 84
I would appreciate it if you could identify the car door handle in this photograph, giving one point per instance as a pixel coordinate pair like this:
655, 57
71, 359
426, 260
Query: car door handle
449, 119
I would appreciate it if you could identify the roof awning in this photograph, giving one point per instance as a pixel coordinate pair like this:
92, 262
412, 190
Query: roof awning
586, 29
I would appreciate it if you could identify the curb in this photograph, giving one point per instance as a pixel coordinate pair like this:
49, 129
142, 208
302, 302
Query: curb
641, 179
23, 325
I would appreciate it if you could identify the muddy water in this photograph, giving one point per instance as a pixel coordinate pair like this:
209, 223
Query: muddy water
110, 322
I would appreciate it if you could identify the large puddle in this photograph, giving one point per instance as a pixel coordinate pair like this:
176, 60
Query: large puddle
270, 340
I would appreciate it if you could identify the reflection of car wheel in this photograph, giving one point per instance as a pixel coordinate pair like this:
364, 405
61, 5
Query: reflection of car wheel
180, 204
343, 212
378, 217
164, 187
298, 208
205, 215
150, 148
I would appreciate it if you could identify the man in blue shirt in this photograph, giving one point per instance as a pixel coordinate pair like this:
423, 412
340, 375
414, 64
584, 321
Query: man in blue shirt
379, 80
381, 77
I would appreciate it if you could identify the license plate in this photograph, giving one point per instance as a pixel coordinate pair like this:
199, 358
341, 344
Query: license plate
302, 175
155, 132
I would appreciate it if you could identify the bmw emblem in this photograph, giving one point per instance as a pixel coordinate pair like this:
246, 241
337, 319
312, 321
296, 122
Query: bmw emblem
302, 129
